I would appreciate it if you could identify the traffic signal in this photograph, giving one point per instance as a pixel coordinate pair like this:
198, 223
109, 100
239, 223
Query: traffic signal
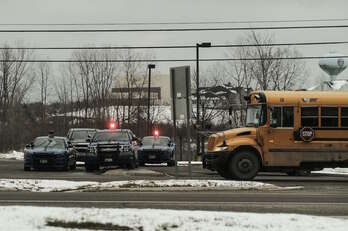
156, 132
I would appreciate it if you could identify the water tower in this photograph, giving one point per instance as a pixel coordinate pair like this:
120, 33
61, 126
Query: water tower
333, 65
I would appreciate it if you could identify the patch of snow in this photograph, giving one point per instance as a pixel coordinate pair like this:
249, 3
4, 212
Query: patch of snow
220, 92
338, 171
35, 218
185, 163
14, 155
62, 185
42, 185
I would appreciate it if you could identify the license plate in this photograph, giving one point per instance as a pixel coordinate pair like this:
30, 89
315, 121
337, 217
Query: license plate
109, 149
43, 161
152, 156
108, 160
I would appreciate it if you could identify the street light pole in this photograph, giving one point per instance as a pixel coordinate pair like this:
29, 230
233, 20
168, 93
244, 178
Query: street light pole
198, 45
150, 66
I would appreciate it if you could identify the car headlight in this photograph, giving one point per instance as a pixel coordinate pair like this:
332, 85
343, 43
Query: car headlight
126, 148
221, 148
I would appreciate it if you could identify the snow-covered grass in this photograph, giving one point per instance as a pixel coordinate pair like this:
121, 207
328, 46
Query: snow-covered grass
37, 218
14, 155
62, 185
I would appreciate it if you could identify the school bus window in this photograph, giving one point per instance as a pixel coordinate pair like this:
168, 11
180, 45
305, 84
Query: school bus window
282, 116
288, 117
253, 116
309, 116
276, 116
329, 117
344, 117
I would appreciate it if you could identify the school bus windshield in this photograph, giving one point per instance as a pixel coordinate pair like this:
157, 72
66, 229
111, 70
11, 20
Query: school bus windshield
253, 115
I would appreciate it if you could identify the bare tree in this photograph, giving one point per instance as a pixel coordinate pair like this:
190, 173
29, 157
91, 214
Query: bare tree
43, 72
270, 69
262, 67
91, 80
16, 78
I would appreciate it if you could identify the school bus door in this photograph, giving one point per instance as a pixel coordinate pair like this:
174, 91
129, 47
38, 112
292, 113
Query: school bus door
279, 140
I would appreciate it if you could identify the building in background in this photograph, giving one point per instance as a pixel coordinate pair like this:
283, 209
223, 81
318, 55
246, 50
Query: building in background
137, 94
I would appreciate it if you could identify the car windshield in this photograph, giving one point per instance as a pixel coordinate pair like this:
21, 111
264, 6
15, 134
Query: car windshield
49, 143
253, 116
111, 136
82, 134
161, 141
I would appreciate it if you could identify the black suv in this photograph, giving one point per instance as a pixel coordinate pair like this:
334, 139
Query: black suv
78, 139
111, 148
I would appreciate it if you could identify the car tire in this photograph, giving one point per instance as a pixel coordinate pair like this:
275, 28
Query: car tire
73, 167
66, 167
244, 165
224, 173
91, 168
171, 163
27, 168
132, 165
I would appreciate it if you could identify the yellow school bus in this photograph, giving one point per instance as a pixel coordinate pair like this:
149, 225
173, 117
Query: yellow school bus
290, 131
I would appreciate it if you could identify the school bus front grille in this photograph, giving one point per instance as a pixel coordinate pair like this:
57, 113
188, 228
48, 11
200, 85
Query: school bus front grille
211, 142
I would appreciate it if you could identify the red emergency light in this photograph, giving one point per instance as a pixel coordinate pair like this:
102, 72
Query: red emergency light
112, 125
156, 133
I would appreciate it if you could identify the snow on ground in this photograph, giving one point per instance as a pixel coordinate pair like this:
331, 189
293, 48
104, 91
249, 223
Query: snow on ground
14, 155
62, 185
179, 163
42, 185
337, 171
37, 218
185, 163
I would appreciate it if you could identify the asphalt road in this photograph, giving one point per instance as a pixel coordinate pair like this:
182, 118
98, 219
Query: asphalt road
322, 194
271, 202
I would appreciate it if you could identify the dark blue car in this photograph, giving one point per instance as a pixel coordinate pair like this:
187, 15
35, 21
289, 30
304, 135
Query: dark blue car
155, 150
49, 152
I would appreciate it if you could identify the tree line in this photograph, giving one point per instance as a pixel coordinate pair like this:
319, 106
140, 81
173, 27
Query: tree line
78, 94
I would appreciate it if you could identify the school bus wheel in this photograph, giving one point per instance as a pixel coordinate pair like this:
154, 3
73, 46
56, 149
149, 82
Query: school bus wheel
244, 165
224, 173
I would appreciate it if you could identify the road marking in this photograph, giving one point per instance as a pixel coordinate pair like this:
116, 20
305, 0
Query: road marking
175, 202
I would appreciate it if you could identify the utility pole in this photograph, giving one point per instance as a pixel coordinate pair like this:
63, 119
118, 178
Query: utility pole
198, 45
150, 66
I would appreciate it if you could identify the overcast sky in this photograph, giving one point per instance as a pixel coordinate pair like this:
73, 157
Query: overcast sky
100, 11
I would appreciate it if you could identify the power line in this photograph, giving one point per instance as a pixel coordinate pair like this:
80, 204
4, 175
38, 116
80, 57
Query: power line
171, 29
177, 23
174, 46
167, 60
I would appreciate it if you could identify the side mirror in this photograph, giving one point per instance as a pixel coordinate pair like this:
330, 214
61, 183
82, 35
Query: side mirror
135, 138
30, 145
70, 144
